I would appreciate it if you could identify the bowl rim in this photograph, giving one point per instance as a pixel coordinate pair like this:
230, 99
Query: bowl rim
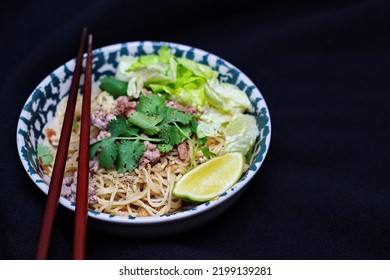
158, 219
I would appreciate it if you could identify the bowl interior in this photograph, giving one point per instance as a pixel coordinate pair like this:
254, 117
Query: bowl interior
41, 105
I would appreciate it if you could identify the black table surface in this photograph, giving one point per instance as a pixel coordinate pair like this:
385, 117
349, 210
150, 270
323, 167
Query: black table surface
323, 191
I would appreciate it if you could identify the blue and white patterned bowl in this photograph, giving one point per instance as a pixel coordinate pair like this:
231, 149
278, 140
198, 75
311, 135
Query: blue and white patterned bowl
41, 106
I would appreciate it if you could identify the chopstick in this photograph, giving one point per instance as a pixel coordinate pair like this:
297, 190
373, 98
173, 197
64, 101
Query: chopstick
54, 192
83, 164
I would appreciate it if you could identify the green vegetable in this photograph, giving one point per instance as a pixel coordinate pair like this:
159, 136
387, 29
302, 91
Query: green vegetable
227, 97
44, 154
143, 77
163, 147
75, 125
152, 116
212, 123
121, 127
114, 149
198, 69
202, 141
125, 63
208, 129
108, 155
189, 82
129, 153
146, 69
173, 134
173, 115
206, 152
189, 95
124, 147
188, 87
152, 105
113, 86
200, 145
241, 134
146, 122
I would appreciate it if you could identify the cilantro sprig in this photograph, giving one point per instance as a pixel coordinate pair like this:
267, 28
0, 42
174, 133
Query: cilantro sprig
201, 145
166, 127
44, 154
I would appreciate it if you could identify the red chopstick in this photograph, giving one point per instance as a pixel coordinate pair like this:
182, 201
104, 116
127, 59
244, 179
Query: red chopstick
80, 227
60, 161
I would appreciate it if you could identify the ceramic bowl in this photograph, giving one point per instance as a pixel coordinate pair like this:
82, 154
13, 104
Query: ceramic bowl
41, 105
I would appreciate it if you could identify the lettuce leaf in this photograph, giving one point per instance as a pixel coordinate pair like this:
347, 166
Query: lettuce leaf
227, 97
212, 123
143, 77
146, 69
198, 69
125, 63
187, 81
241, 134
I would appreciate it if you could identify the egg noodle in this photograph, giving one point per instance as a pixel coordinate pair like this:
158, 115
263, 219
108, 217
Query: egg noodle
147, 191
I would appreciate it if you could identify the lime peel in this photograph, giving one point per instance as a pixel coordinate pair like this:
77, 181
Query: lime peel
211, 179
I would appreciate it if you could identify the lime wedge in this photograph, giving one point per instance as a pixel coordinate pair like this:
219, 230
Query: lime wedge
210, 179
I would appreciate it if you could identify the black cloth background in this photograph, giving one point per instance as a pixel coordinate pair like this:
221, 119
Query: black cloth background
323, 191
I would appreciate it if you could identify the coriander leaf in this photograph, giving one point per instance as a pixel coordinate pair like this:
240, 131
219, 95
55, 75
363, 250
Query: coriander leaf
165, 148
174, 115
129, 152
206, 152
194, 126
109, 153
44, 154
202, 141
95, 147
171, 134
147, 123
119, 126
151, 105
185, 131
